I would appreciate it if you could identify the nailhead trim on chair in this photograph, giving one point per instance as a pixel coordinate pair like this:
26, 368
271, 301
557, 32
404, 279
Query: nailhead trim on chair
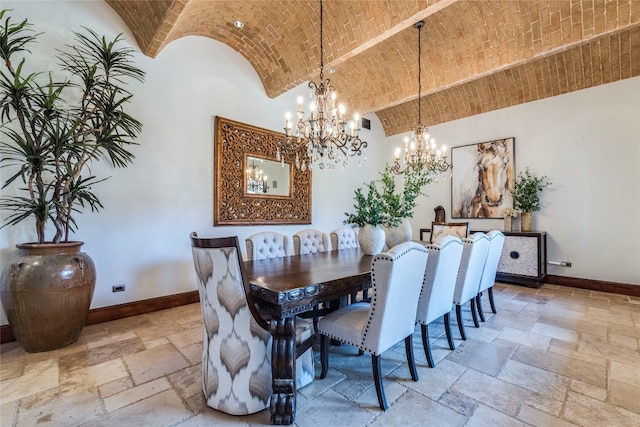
388, 257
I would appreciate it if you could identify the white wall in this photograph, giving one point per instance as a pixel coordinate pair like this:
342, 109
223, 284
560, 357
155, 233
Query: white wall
587, 142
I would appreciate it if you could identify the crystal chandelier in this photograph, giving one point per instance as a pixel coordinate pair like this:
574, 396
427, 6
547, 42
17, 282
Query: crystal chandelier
420, 151
326, 137
256, 181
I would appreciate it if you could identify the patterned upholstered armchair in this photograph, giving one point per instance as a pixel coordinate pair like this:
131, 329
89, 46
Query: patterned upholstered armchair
344, 238
310, 241
436, 299
268, 244
474, 256
236, 347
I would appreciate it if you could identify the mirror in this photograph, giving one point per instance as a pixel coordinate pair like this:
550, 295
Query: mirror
267, 178
244, 155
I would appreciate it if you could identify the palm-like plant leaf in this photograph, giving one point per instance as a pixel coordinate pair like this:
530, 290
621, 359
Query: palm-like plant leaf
54, 129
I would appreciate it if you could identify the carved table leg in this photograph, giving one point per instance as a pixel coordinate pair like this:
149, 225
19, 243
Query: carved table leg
283, 369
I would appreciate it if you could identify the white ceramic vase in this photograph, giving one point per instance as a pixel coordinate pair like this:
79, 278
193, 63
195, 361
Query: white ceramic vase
399, 234
508, 223
371, 239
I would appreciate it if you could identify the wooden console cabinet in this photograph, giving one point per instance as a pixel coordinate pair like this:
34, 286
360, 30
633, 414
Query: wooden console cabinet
523, 260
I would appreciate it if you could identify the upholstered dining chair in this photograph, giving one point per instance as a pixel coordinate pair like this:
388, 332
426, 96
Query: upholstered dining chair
236, 347
310, 241
440, 229
344, 238
268, 244
347, 238
496, 239
474, 255
397, 277
436, 298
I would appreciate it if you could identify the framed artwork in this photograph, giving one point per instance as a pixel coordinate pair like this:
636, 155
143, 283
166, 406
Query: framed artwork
251, 186
483, 178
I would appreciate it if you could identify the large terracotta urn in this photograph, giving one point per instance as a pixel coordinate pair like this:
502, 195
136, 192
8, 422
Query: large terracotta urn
371, 239
46, 293
399, 234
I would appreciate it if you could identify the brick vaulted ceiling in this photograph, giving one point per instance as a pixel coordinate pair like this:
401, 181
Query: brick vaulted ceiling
477, 55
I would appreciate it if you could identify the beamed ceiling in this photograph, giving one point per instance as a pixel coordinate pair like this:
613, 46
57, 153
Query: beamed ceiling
477, 55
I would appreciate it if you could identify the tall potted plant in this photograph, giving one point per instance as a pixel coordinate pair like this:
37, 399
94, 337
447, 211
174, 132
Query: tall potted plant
369, 217
51, 131
526, 196
399, 205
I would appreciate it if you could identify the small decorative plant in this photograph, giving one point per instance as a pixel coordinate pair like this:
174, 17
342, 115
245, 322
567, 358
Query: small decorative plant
399, 205
509, 212
52, 130
527, 188
368, 207
387, 206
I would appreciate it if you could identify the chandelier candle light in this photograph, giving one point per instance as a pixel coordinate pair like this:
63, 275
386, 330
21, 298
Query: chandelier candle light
420, 151
326, 137
256, 181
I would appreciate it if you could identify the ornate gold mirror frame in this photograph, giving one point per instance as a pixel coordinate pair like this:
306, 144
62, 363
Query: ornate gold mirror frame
234, 142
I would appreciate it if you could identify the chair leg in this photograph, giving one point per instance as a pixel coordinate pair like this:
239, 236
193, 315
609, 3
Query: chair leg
377, 379
493, 304
425, 344
479, 306
316, 315
460, 324
408, 346
472, 302
447, 328
324, 355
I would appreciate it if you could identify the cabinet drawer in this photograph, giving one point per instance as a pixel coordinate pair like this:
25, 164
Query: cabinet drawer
520, 255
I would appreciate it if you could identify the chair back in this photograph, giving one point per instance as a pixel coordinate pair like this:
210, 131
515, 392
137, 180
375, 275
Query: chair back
344, 238
268, 244
440, 229
397, 277
236, 359
496, 237
474, 256
310, 241
436, 298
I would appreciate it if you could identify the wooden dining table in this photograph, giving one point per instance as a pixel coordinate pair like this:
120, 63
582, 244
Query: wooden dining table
292, 285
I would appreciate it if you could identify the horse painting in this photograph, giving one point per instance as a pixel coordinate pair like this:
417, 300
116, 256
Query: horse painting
483, 179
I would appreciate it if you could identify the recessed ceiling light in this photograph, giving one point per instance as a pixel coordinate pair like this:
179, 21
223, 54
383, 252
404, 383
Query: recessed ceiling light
238, 24
331, 70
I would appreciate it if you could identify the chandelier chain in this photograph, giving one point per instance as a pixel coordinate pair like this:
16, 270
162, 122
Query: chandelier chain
420, 152
323, 138
419, 74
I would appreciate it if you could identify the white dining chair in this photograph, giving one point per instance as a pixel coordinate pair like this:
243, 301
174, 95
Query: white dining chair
310, 241
496, 239
397, 277
268, 244
344, 238
474, 255
436, 298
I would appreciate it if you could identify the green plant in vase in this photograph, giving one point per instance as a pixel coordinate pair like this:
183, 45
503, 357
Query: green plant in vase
526, 195
400, 205
369, 216
51, 132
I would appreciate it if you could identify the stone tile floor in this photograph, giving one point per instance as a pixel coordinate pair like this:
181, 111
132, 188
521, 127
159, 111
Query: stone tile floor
554, 356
